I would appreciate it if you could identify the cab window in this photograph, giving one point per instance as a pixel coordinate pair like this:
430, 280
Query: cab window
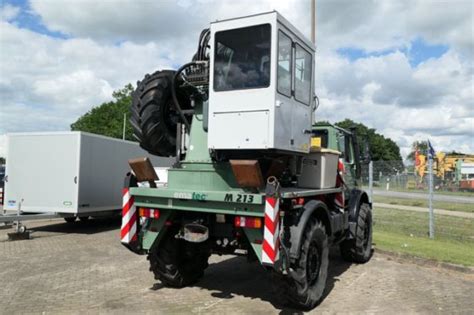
348, 149
284, 64
341, 144
302, 74
345, 147
242, 58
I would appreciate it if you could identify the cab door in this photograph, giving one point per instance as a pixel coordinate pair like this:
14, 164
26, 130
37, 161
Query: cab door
302, 96
346, 147
294, 93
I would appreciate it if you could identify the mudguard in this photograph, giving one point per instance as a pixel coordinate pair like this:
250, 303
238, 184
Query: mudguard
357, 197
292, 240
130, 181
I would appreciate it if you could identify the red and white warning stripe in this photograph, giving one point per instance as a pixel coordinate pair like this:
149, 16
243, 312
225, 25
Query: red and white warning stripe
271, 241
1, 196
128, 233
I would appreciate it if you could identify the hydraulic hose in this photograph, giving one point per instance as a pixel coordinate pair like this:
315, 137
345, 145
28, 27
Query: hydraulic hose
203, 40
175, 97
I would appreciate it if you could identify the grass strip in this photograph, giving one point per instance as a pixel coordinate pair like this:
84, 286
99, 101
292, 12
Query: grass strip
438, 249
407, 232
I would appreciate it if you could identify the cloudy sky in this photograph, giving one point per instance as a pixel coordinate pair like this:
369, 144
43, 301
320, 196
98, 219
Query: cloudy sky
402, 67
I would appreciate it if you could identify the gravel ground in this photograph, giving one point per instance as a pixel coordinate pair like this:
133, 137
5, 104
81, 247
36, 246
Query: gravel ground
83, 268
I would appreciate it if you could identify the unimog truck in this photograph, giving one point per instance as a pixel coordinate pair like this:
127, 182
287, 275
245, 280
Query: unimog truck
252, 175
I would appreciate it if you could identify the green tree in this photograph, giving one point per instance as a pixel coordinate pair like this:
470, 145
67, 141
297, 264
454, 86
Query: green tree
383, 151
107, 118
381, 148
422, 148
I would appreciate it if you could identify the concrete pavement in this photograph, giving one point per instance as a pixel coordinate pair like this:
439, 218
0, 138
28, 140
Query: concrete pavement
413, 195
82, 268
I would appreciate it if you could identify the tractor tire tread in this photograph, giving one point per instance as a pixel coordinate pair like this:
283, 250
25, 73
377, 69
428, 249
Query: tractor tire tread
353, 250
147, 114
295, 290
169, 264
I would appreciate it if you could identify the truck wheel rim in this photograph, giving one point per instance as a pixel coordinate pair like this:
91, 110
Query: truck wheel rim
314, 263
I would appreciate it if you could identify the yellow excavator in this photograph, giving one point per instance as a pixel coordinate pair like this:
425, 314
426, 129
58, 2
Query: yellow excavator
446, 167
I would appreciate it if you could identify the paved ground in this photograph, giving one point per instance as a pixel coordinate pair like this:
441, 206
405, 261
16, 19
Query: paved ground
412, 195
459, 214
83, 268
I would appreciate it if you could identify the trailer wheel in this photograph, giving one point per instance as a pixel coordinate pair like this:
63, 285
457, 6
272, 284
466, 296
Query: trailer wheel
84, 218
70, 219
153, 117
359, 249
21, 229
304, 287
177, 263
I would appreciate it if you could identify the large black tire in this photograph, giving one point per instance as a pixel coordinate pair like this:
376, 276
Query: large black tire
359, 249
305, 288
153, 117
177, 263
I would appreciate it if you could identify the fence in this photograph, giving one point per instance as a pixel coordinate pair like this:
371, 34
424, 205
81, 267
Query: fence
390, 175
402, 204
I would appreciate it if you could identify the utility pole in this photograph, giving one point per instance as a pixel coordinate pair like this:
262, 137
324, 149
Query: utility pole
313, 21
430, 195
313, 40
371, 181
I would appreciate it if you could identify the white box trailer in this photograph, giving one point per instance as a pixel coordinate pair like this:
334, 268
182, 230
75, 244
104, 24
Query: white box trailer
68, 172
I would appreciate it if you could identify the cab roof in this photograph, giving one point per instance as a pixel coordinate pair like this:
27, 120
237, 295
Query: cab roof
280, 19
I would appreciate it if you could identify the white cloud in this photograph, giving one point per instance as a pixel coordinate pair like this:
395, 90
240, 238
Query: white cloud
3, 145
83, 84
433, 100
369, 25
23, 118
46, 83
143, 21
444, 22
8, 12
117, 20
382, 25
446, 80
44, 78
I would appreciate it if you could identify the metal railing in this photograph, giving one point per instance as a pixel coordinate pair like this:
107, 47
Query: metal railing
403, 202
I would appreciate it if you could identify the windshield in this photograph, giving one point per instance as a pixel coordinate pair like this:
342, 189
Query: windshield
242, 58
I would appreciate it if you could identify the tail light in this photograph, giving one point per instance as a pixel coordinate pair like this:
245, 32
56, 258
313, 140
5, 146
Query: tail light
149, 213
248, 222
